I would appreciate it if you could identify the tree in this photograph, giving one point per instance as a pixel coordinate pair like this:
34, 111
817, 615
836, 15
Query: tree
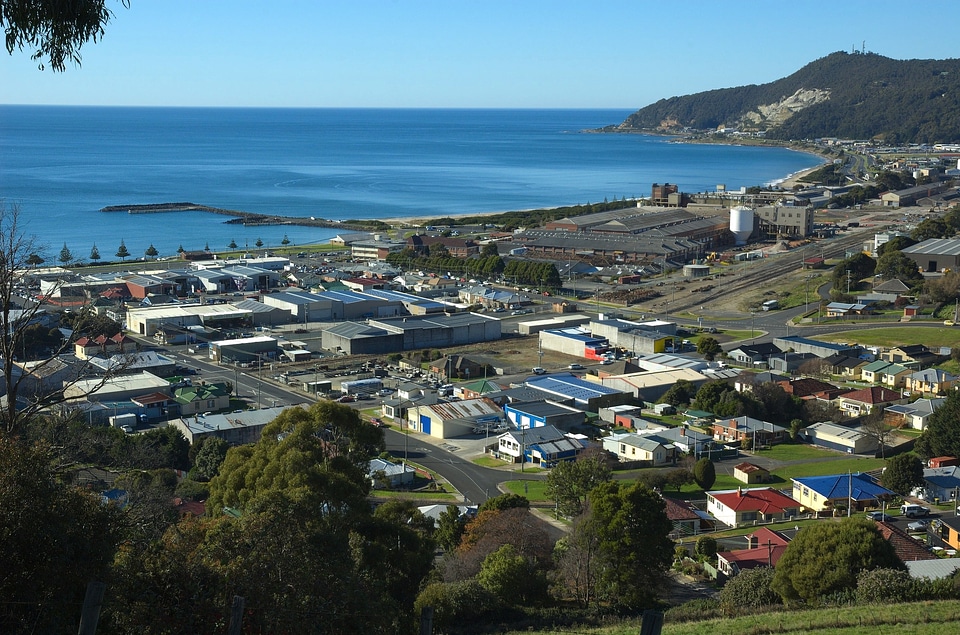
56, 539
259, 243
749, 589
895, 264
504, 501
151, 252
54, 30
490, 249
512, 578
710, 393
285, 241
576, 557
709, 347
903, 473
180, 250
633, 546
874, 426
210, 457
678, 477
122, 252
796, 425
450, 526
706, 547
570, 481
705, 473
34, 260
826, 558
679, 394
94, 253
65, 256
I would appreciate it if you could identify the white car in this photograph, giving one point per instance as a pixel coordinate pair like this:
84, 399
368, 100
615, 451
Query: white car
575, 366
539, 371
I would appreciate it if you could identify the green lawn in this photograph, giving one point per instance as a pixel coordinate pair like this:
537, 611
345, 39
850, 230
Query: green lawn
914, 618
899, 335
795, 452
829, 467
533, 490
488, 461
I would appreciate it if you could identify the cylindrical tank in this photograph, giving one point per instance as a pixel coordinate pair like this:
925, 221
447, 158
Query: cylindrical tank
741, 223
696, 271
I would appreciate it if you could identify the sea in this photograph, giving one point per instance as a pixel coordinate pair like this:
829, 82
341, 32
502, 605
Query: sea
60, 165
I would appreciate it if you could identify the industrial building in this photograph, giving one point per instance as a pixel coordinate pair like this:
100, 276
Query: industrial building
584, 394
799, 344
452, 419
533, 414
834, 437
147, 320
244, 349
631, 336
935, 254
410, 333
236, 428
574, 341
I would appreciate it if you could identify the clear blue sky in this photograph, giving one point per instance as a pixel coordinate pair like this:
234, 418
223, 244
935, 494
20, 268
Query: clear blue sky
477, 53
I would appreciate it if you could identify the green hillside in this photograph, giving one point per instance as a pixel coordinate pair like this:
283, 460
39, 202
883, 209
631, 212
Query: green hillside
846, 95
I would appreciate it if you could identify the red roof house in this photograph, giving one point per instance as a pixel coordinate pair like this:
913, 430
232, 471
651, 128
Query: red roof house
739, 506
764, 549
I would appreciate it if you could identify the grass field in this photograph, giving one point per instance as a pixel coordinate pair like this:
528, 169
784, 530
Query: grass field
903, 619
899, 335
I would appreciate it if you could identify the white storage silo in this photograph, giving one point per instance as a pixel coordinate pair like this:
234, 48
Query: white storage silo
741, 223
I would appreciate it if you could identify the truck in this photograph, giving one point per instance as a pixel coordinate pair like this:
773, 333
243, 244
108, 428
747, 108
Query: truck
125, 420
361, 386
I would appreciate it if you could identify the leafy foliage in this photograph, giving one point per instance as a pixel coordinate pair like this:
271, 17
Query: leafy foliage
54, 539
55, 30
885, 586
709, 347
705, 473
750, 589
512, 577
634, 550
679, 394
903, 473
826, 558
941, 436
569, 483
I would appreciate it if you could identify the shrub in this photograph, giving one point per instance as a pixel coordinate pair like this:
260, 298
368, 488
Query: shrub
750, 589
693, 611
885, 586
456, 602
707, 547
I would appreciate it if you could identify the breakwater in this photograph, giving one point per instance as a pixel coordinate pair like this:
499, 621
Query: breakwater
238, 217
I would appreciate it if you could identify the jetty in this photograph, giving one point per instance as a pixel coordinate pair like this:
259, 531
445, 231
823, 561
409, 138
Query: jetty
238, 217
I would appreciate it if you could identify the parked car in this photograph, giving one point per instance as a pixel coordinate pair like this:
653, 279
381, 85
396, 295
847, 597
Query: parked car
606, 360
537, 370
917, 526
575, 366
914, 511
880, 516
346, 399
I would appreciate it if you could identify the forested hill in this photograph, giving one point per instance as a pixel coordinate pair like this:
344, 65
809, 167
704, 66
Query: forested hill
846, 95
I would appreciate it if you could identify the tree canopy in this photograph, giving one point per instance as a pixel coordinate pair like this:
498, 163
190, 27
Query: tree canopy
827, 558
569, 483
941, 436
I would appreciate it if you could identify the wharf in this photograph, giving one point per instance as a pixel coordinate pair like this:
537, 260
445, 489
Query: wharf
238, 217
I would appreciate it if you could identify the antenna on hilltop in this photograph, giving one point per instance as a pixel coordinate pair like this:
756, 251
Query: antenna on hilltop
863, 48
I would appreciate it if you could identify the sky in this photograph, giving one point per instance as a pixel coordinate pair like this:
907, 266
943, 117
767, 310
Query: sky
464, 54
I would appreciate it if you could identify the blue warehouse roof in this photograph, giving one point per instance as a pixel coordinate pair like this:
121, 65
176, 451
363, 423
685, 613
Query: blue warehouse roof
570, 386
859, 486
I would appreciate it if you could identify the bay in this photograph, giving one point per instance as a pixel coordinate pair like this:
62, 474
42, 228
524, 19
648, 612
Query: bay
60, 165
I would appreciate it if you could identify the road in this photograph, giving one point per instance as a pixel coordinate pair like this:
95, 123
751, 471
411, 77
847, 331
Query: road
474, 482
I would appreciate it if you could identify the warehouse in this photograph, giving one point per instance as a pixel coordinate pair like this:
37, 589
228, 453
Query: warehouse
357, 338
146, 320
834, 437
584, 394
631, 336
410, 333
574, 341
936, 254
244, 349
452, 419
302, 306
534, 414
351, 305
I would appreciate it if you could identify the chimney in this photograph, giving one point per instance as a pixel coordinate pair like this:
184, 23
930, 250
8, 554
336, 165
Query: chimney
683, 432
739, 491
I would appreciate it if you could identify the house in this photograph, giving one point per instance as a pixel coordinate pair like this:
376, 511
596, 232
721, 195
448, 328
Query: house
687, 520
913, 355
894, 375
863, 401
686, 440
541, 446
747, 428
873, 372
845, 366
764, 549
86, 347
831, 436
750, 473
848, 309
914, 415
753, 354
532, 414
385, 474
939, 483
738, 506
948, 530
935, 569
807, 387
477, 389
457, 367
634, 447
835, 492
202, 398
907, 548
930, 381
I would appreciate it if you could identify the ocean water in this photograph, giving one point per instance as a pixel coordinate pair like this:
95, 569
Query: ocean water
60, 165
